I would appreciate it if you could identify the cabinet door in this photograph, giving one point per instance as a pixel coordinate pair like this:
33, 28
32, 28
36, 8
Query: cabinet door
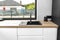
8, 34
50, 34
30, 31
30, 38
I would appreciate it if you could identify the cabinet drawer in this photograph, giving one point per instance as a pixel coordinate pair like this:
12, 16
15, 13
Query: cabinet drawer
30, 38
30, 31
50, 33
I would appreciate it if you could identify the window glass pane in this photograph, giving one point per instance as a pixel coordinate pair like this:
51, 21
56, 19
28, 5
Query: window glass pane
17, 8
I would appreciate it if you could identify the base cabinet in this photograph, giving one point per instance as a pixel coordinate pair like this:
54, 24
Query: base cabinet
28, 33
50, 34
36, 33
8, 34
30, 38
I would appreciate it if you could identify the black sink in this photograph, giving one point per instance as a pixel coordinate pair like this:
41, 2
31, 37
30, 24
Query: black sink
34, 23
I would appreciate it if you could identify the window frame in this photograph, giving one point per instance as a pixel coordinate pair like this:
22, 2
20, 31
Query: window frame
25, 18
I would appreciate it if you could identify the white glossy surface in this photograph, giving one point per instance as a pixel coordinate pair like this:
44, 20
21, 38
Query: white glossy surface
30, 37
8, 34
50, 34
30, 31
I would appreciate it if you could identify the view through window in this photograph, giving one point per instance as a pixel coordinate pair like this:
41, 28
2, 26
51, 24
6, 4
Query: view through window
17, 9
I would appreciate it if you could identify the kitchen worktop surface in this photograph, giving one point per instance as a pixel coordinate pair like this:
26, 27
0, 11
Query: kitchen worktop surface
17, 24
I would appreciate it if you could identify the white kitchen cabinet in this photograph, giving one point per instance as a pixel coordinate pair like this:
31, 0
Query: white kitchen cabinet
30, 31
30, 38
37, 33
8, 34
50, 34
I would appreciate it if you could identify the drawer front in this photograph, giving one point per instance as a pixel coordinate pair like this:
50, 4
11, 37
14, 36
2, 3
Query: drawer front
30, 31
30, 37
50, 33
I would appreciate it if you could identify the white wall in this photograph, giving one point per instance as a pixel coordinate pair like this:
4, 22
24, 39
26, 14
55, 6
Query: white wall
44, 7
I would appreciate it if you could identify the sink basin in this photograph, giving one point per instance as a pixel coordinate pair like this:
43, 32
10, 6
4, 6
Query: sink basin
34, 23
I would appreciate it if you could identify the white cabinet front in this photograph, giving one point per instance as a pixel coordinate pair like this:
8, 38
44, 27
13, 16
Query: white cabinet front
8, 34
30, 31
30, 38
50, 34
